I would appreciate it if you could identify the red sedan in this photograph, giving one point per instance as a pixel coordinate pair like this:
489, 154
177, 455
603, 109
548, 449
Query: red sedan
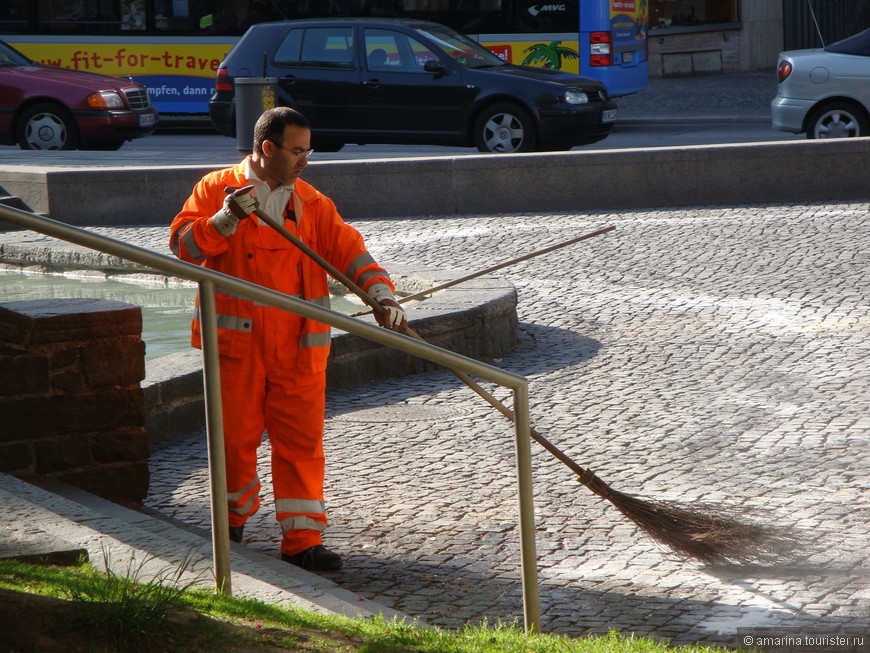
47, 108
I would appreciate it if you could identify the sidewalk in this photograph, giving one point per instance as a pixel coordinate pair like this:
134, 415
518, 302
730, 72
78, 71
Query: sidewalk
710, 98
702, 355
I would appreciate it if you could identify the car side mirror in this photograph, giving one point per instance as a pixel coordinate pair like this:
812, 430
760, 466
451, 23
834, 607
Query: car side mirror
432, 66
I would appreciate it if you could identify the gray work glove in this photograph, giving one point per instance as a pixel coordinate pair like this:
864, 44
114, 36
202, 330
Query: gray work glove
237, 206
393, 316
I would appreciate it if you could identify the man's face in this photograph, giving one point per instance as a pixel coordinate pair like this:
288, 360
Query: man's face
285, 159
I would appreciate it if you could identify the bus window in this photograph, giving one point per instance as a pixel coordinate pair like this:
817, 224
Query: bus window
78, 16
13, 16
133, 15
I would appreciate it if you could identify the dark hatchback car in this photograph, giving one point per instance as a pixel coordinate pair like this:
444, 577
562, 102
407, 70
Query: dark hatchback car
362, 81
48, 108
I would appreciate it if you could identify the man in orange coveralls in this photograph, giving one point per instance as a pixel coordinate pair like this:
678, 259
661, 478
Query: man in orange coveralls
273, 363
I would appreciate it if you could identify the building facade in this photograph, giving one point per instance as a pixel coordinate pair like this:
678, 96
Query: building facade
701, 37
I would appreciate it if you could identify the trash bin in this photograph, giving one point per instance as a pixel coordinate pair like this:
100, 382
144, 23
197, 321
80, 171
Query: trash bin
254, 95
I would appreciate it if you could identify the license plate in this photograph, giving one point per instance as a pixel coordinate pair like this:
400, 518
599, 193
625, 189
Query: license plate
627, 57
608, 116
147, 119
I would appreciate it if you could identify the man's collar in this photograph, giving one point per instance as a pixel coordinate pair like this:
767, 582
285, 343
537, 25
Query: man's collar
251, 175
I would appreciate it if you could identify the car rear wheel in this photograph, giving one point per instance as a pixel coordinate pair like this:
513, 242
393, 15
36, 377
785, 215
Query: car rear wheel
504, 128
837, 120
47, 126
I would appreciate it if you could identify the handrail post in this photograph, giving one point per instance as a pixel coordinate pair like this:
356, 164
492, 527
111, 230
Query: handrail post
214, 428
531, 603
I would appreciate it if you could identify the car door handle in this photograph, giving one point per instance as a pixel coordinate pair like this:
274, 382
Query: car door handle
289, 80
372, 83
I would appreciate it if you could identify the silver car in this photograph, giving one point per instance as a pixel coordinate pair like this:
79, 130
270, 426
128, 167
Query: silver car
825, 92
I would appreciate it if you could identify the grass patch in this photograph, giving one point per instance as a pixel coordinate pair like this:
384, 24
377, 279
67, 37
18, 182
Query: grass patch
93, 611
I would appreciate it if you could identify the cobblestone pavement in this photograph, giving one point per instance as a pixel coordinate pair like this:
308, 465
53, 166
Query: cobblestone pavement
738, 97
711, 354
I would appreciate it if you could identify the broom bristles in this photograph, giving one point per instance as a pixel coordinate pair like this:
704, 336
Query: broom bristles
697, 532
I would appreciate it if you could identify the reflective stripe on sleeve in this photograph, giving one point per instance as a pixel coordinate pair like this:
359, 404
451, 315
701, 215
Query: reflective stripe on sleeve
358, 264
366, 276
190, 245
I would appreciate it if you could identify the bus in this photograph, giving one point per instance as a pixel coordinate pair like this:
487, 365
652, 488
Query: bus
174, 47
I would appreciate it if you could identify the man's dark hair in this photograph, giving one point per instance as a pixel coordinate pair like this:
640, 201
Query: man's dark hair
270, 126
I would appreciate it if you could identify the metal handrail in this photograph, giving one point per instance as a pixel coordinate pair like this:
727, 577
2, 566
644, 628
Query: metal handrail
208, 280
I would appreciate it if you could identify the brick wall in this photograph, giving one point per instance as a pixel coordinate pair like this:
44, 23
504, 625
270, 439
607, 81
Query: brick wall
71, 406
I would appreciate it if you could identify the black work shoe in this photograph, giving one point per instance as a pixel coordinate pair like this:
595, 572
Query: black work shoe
317, 558
236, 533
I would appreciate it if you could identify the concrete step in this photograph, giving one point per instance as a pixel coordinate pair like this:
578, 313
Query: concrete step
58, 519
35, 546
14, 201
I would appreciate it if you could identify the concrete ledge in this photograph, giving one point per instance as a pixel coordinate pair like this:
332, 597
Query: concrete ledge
790, 171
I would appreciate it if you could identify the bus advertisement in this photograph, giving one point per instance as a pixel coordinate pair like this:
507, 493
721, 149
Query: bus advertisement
178, 72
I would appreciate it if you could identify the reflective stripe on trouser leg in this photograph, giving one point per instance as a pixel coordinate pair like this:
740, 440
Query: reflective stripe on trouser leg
294, 421
243, 392
245, 502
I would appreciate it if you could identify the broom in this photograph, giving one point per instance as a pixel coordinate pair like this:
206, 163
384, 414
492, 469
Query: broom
695, 533
494, 268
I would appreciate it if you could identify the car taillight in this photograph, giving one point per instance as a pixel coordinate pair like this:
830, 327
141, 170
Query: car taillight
222, 83
783, 71
599, 49
105, 100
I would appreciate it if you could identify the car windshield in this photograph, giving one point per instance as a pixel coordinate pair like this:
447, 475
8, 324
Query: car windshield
460, 48
10, 57
857, 44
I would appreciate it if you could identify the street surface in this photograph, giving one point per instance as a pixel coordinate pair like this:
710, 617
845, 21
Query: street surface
222, 149
716, 354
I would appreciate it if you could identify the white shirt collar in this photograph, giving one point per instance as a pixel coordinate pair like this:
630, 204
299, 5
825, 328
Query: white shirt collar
250, 175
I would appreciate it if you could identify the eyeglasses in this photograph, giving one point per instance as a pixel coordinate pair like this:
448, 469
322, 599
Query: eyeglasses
298, 153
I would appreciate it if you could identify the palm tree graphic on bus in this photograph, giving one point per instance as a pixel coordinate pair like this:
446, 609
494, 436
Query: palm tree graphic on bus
549, 55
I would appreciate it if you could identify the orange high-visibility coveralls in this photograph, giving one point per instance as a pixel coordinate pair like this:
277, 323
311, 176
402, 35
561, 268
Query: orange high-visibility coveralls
273, 363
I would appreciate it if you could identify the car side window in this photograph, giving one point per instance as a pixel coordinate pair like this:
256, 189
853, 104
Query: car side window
390, 51
327, 47
288, 52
